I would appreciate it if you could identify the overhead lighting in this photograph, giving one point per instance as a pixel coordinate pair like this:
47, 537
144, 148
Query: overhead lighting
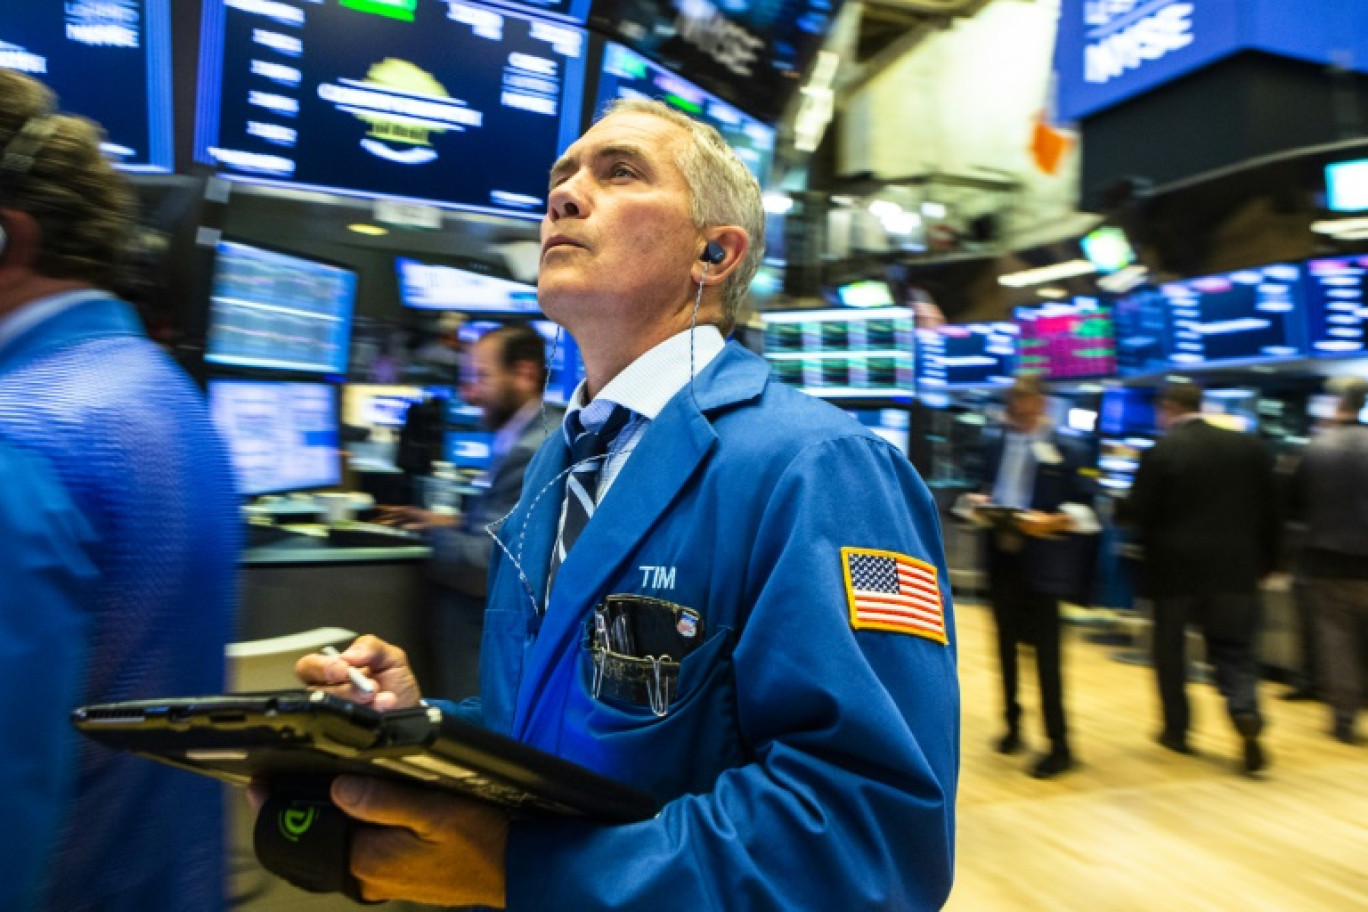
934, 210
368, 229
1043, 274
1052, 293
1123, 280
1340, 227
778, 203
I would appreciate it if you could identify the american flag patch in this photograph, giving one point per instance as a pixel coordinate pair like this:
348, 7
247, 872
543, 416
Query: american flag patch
889, 591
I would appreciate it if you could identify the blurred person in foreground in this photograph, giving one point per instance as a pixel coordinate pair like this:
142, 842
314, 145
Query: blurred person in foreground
807, 755
509, 377
1040, 504
1204, 506
1330, 495
120, 531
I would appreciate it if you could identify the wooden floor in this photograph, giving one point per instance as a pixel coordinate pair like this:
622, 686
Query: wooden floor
1137, 827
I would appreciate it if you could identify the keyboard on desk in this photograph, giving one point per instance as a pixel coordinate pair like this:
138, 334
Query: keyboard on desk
371, 535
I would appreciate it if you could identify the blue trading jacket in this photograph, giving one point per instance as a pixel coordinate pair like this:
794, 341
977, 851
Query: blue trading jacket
803, 764
120, 566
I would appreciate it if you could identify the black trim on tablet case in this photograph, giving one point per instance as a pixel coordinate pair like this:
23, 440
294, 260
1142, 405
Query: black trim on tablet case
300, 735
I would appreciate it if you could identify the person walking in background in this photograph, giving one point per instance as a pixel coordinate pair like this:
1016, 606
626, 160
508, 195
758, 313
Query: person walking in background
1039, 502
121, 534
508, 379
1330, 495
1203, 502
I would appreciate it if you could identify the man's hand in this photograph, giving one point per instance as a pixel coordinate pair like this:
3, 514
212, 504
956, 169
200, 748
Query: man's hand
387, 665
415, 518
425, 846
1043, 525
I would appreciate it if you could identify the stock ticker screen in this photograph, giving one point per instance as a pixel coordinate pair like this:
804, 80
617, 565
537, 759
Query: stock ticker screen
1066, 340
109, 61
453, 104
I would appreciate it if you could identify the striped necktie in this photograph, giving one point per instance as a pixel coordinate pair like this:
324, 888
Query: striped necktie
588, 452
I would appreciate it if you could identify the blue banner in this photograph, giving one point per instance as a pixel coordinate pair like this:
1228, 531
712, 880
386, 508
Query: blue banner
1109, 51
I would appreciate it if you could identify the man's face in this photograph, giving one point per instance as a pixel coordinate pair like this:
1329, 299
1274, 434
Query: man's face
494, 389
617, 239
1024, 412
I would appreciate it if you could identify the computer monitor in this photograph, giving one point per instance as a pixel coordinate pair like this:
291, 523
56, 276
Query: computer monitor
752, 53
426, 286
279, 311
374, 405
1066, 340
1337, 306
1243, 317
453, 104
962, 355
110, 62
843, 353
283, 435
1128, 411
1141, 319
1346, 186
865, 293
627, 74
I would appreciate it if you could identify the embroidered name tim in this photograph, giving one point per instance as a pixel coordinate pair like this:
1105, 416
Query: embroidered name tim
657, 577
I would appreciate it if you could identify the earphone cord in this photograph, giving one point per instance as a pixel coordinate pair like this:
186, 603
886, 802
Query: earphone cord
492, 529
693, 326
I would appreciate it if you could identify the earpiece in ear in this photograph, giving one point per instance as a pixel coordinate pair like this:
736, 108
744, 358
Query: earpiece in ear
713, 253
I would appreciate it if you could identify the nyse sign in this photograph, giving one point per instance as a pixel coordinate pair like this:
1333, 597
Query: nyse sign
1126, 35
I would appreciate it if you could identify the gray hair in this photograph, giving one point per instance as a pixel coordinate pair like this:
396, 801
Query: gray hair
722, 191
83, 207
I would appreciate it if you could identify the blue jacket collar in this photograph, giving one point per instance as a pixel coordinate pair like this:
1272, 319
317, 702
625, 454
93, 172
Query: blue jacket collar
93, 318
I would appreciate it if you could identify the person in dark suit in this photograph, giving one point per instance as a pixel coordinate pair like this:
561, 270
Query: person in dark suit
1204, 505
508, 378
1037, 554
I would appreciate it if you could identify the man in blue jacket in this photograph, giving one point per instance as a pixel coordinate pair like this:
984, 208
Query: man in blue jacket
804, 745
120, 534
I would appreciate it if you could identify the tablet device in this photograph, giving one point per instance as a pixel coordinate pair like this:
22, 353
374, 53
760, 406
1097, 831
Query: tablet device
302, 736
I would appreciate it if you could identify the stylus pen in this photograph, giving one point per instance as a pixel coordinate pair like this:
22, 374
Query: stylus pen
359, 681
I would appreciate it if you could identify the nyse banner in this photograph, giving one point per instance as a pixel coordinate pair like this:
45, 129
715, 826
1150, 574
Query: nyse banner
1112, 50
751, 53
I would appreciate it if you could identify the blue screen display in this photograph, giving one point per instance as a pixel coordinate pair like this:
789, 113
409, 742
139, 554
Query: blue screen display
1142, 332
457, 105
752, 53
277, 311
627, 74
966, 354
434, 287
1337, 306
1246, 316
283, 436
108, 61
1127, 410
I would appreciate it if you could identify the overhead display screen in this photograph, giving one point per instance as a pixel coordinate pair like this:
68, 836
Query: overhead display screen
967, 354
1066, 340
1246, 316
109, 61
426, 286
750, 52
278, 311
453, 104
1337, 306
843, 353
1142, 332
627, 74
